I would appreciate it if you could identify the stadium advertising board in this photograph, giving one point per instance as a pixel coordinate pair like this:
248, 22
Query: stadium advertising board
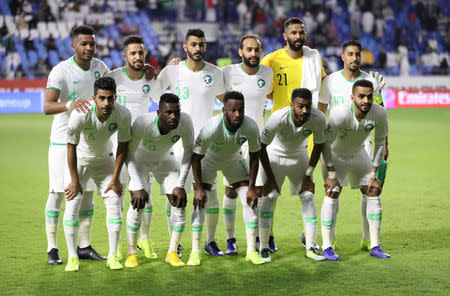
407, 98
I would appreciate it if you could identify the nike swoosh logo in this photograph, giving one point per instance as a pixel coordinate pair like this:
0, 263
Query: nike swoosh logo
236, 83
76, 82
281, 68
120, 90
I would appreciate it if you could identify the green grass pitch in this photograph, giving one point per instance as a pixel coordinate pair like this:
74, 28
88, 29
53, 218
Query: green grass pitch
415, 229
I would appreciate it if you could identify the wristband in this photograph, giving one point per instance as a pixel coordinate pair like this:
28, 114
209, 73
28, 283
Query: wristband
332, 175
373, 175
309, 171
68, 104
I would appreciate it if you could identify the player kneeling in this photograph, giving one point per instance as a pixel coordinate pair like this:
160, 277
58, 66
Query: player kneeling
90, 155
150, 151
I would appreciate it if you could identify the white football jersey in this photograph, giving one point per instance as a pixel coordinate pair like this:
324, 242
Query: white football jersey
94, 137
135, 94
255, 88
285, 139
336, 89
216, 141
147, 139
347, 135
74, 83
197, 90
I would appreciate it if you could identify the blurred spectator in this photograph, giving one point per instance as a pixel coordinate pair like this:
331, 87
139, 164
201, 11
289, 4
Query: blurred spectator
432, 43
382, 59
380, 27
51, 43
12, 61
367, 59
403, 60
367, 20
242, 11
28, 43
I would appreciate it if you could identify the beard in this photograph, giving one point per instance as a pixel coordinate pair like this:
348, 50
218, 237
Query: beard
295, 47
248, 63
191, 56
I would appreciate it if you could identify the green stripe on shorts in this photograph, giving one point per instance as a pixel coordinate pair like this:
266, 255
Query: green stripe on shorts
310, 219
177, 228
87, 213
374, 216
167, 213
71, 223
265, 215
52, 214
148, 210
115, 221
228, 211
212, 211
196, 228
251, 225
133, 227
327, 223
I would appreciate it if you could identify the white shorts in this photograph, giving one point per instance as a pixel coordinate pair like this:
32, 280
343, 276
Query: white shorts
245, 155
178, 150
356, 168
100, 171
57, 161
368, 147
293, 167
165, 171
234, 170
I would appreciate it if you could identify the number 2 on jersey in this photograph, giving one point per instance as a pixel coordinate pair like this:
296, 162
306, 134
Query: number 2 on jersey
280, 79
182, 92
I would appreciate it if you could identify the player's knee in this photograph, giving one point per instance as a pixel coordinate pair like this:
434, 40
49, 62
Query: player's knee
374, 191
306, 196
230, 192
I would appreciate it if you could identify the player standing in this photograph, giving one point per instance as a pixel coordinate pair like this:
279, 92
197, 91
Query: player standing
293, 66
69, 85
254, 81
336, 90
348, 127
153, 135
284, 154
134, 92
197, 84
90, 155
218, 147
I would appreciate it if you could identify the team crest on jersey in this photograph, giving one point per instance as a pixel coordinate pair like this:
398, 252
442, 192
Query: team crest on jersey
207, 79
261, 83
97, 75
266, 132
146, 88
307, 132
175, 138
112, 127
241, 140
369, 127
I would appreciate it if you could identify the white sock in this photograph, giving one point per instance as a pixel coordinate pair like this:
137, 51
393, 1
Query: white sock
328, 217
168, 214
86, 219
72, 224
229, 215
134, 220
365, 223
250, 219
197, 220
212, 215
309, 214
178, 222
147, 213
52, 213
265, 211
374, 214
113, 221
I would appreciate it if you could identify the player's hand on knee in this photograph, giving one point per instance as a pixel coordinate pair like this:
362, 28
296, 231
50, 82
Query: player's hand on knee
374, 187
331, 183
179, 197
81, 105
307, 185
200, 198
115, 186
269, 186
252, 198
72, 190
139, 199
150, 72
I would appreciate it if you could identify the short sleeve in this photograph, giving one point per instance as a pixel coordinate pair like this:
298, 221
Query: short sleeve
270, 129
163, 78
203, 139
270, 81
319, 129
56, 79
220, 85
124, 131
324, 94
74, 127
254, 144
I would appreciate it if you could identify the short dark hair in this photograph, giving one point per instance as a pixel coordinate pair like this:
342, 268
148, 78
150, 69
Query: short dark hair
233, 95
132, 39
82, 30
105, 83
363, 83
353, 42
303, 93
247, 36
292, 21
168, 98
194, 32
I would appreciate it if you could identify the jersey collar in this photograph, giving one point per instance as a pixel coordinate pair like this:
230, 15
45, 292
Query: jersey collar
225, 127
124, 70
342, 73
240, 66
72, 60
184, 63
